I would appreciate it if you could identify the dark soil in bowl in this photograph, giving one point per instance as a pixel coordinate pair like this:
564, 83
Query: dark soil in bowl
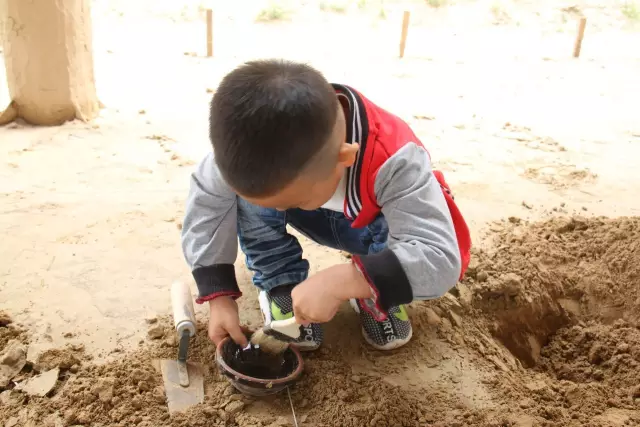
256, 363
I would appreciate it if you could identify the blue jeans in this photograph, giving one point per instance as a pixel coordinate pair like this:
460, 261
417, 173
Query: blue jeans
275, 256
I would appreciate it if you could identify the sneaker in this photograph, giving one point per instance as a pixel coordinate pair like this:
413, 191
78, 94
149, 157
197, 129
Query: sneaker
389, 334
278, 305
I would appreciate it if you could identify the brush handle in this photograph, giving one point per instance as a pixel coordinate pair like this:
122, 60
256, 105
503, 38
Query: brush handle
289, 327
184, 318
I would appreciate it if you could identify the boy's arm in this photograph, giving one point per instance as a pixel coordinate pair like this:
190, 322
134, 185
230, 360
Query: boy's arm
422, 260
209, 236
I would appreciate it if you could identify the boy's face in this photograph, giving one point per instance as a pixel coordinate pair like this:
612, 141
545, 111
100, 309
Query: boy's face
310, 191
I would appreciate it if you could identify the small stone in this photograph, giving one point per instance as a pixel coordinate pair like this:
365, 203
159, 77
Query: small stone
155, 332
104, 389
151, 320
74, 369
42, 384
12, 361
511, 284
432, 317
482, 276
304, 403
171, 341
234, 407
356, 378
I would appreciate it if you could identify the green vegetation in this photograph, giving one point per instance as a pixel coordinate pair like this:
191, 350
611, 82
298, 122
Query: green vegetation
273, 12
631, 10
436, 3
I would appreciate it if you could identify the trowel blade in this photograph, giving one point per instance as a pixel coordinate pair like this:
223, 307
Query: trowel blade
180, 398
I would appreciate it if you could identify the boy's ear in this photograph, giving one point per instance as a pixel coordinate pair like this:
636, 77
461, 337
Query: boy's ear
347, 154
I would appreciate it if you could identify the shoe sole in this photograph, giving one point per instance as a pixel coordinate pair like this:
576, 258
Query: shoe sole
397, 343
306, 347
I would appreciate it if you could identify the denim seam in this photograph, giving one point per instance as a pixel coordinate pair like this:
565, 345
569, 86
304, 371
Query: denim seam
284, 279
335, 233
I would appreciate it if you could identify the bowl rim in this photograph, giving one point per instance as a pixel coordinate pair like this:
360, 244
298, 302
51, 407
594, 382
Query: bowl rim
267, 383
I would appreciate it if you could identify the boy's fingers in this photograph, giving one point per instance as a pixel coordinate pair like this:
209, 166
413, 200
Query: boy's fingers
216, 338
238, 336
304, 321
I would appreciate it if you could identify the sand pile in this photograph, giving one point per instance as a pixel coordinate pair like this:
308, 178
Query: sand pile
544, 331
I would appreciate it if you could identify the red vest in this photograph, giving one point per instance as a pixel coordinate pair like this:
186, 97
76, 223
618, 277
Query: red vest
380, 135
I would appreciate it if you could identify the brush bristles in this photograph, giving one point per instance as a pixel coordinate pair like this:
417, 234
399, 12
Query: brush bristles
268, 343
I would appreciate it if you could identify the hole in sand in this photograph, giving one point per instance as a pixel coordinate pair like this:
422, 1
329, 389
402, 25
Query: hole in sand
563, 297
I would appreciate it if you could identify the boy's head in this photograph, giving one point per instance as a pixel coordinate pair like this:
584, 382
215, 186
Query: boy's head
279, 134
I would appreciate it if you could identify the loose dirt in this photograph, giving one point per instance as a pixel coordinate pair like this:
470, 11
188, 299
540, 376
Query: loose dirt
544, 331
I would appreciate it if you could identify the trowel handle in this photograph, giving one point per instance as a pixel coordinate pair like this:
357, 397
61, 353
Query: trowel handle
288, 327
184, 318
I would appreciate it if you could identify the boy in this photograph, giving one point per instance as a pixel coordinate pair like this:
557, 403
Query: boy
290, 148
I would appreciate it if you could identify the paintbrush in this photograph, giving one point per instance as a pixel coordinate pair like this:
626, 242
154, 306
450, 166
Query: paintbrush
275, 337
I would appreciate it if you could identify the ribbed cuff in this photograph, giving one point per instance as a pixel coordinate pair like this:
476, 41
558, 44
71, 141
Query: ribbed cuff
387, 278
216, 281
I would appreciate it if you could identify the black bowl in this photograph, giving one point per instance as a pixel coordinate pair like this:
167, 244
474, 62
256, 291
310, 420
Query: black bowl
256, 373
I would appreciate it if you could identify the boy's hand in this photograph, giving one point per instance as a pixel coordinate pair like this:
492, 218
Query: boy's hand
317, 299
225, 321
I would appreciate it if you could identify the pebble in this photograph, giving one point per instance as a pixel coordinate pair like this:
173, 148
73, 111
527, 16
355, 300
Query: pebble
42, 384
155, 332
104, 389
234, 407
171, 341
12, 361
356, 379
482, 276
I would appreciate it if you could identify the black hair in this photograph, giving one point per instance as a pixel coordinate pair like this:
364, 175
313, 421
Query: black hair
268, 120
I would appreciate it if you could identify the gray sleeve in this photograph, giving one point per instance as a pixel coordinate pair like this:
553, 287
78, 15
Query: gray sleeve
209, 232
422, 260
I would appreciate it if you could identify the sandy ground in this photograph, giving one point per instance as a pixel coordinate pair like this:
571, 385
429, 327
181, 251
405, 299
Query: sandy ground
90, 212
